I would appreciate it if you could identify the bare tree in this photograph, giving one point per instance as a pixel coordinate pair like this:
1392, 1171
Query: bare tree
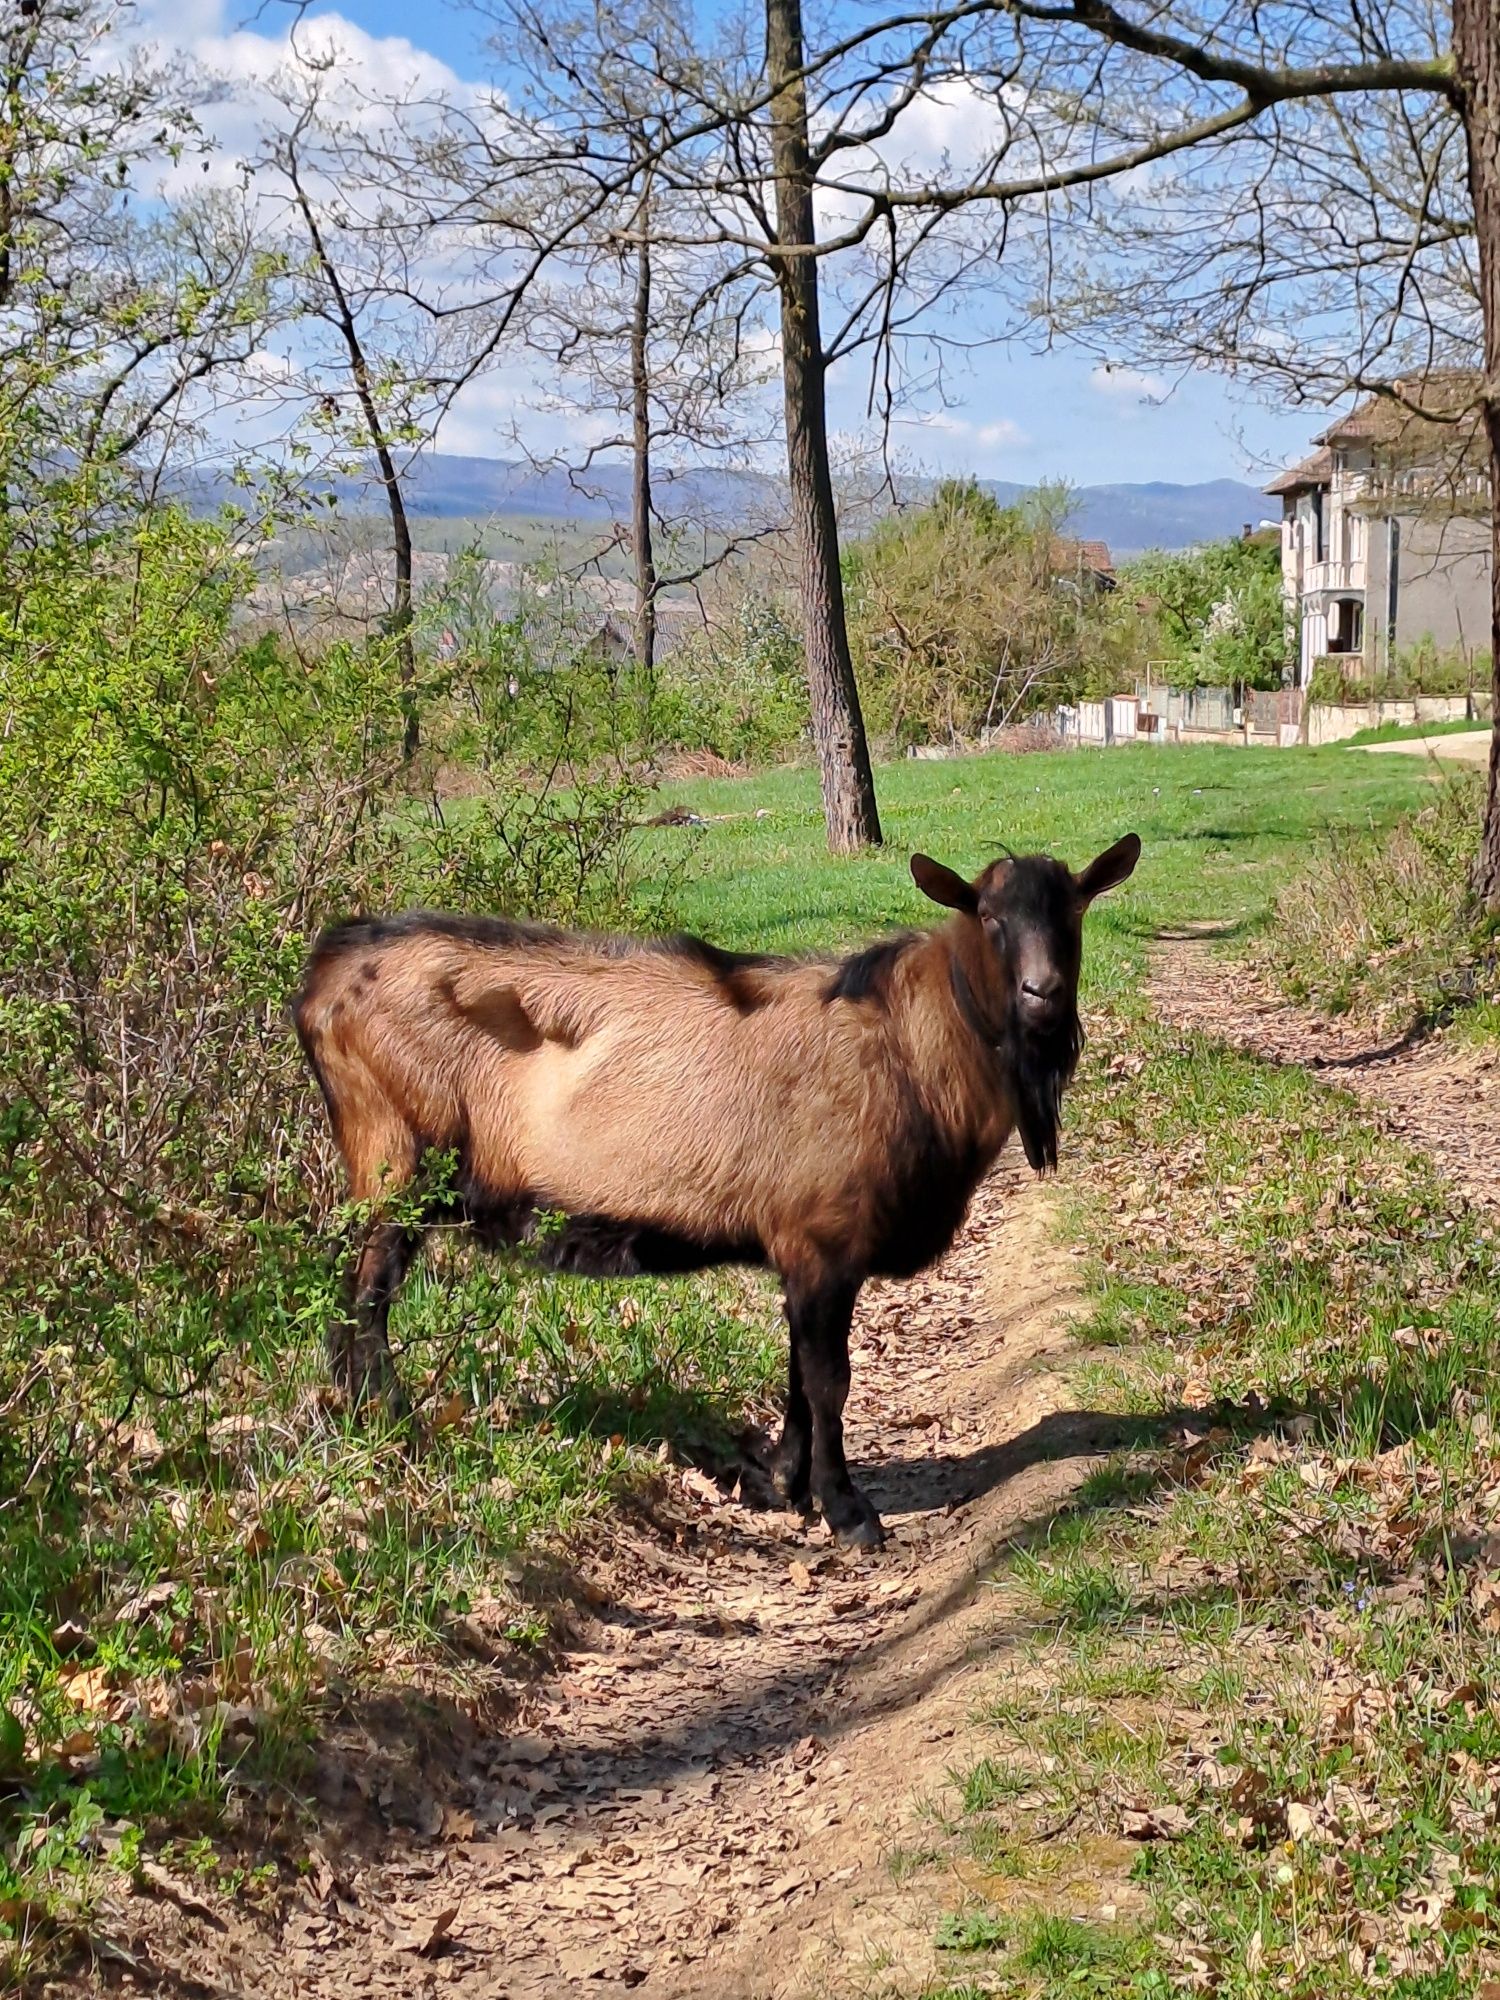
716, 160
1476, 48
331, 299
384, 336
648, 336
1302, 244
838, 727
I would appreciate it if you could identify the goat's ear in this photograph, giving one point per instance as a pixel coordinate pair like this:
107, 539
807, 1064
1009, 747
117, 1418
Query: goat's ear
942, 885
1110, 868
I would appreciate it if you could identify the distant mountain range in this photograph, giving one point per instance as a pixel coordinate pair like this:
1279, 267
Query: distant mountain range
441, 485
1158, 515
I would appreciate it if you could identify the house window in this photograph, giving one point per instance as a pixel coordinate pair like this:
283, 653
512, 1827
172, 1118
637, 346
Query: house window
1317, 514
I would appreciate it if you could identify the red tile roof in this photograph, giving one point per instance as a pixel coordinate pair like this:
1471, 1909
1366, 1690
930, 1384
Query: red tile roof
1314, 471
1067, 553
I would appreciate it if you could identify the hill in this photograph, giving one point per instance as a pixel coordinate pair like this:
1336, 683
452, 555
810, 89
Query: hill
1130, 517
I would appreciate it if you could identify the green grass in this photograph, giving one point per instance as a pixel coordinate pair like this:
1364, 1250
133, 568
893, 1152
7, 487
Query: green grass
171, 1637
1414, 732
1292, 1592
1221, 828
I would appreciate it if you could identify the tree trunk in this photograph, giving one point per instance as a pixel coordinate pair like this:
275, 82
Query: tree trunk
342, 316
838, 727
642, 550
401, 610
1476, 49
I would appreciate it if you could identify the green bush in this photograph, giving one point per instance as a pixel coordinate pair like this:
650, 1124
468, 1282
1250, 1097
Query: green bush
965, 615
178, 816
737, 688
1422, 669
1387, 925
1220, 613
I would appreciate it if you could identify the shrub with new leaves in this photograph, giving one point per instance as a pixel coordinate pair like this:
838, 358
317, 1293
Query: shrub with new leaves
965, 614
178, 815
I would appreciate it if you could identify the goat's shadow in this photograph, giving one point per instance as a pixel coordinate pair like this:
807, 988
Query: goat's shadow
399, 1746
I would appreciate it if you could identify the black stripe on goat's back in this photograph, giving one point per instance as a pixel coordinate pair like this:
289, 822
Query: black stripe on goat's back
365, 933
508, 933
713, 957
865, 975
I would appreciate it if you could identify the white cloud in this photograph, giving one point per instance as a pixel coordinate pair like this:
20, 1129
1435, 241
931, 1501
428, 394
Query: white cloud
1001, 433
250, 74
952, 443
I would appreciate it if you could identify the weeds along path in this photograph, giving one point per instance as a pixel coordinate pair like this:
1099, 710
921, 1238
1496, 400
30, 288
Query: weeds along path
702, 1801
1436, 1094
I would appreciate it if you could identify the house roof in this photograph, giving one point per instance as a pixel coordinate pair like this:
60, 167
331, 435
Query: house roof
1415, 408
1314, 471
1090, 555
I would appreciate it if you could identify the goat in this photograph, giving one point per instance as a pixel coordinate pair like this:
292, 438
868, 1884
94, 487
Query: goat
684, 1106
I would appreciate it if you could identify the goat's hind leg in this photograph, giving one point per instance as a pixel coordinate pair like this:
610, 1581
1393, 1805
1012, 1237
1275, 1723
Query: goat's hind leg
791, 1462
359, 1341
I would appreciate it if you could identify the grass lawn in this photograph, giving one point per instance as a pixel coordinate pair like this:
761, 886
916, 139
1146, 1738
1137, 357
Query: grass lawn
1222, 827
1266, 1638
185, 1601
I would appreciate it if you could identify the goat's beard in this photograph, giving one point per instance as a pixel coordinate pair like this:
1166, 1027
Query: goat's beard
1040, 1064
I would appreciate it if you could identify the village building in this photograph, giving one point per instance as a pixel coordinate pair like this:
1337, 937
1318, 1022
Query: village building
1385, 535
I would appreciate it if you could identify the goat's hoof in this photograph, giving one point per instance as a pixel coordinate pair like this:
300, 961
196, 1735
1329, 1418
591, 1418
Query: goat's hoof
854, 1522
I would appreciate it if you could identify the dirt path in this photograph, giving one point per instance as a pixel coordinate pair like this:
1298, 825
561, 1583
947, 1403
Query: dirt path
702, 1801
1466, 748
1436, 1094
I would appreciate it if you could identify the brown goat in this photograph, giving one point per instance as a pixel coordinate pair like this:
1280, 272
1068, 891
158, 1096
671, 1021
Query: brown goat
685, 1106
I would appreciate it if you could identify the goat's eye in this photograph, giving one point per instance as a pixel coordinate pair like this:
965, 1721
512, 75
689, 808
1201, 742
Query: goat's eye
995, 930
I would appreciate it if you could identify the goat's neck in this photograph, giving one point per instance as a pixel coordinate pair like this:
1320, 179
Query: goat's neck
949, 1006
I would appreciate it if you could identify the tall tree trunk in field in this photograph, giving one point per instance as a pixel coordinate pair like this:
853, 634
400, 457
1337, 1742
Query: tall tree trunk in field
838, 727
642, 550
1476, 49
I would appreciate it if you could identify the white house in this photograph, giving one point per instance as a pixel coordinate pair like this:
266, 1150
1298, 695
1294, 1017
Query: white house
1385, 533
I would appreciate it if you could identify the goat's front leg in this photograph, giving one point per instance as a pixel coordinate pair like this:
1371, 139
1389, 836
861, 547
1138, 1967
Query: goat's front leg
820, 1314
359, 1344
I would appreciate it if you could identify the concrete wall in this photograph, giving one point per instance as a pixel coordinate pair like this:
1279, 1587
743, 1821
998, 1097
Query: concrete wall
1442, 587
1335, 722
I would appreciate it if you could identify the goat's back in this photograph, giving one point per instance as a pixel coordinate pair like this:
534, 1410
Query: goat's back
724, 1097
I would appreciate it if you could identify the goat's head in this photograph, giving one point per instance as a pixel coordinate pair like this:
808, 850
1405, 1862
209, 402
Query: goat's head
1028, 912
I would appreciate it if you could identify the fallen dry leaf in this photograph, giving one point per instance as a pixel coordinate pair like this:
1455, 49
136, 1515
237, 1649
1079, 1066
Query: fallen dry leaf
87, 1687
425, 1937
1156, 1822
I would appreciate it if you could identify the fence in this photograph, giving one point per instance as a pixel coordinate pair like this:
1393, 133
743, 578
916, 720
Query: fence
1278, 716
1111, 721
1151, 714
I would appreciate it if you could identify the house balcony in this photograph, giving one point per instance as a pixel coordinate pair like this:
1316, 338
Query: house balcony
1334, 578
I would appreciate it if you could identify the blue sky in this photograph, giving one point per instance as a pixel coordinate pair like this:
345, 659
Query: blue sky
1010, 414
